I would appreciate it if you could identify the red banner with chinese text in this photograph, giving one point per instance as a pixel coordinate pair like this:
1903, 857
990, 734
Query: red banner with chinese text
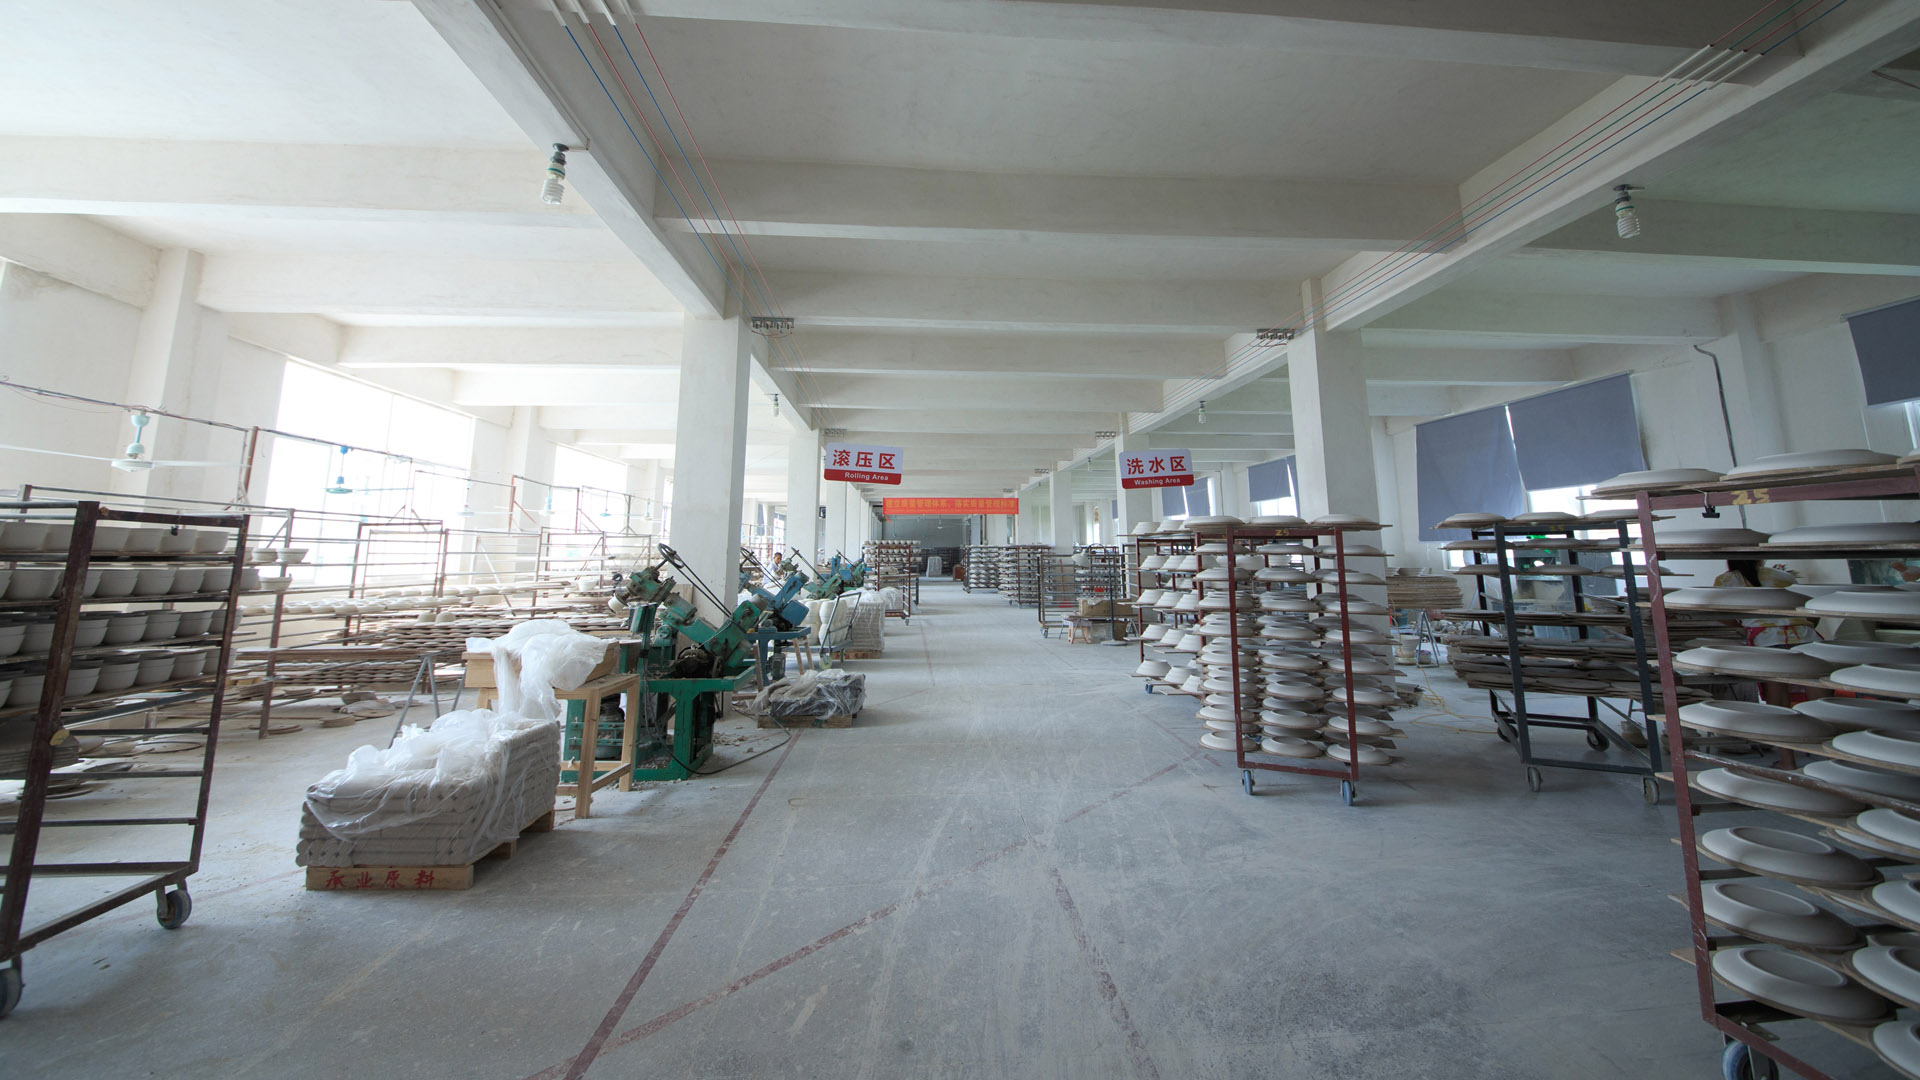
902, 507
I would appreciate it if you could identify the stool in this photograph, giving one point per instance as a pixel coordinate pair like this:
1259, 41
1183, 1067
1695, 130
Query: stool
1079, 631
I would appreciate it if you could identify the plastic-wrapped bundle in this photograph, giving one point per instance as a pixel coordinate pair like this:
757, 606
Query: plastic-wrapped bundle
832, 692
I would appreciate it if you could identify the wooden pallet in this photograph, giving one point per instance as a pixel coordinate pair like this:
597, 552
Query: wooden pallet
859, 654
414, 878
841, 721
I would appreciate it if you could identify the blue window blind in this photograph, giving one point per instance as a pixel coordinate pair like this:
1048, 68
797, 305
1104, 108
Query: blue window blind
1173, 502
1466, 464
1886, 342
1199, 497
1271, 480
1580, 435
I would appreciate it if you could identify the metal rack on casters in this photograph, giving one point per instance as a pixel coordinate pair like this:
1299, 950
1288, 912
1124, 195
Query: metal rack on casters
56, 714
1752, 1050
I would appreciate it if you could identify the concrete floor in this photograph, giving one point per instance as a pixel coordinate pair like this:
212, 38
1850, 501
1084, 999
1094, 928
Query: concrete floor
1017, 864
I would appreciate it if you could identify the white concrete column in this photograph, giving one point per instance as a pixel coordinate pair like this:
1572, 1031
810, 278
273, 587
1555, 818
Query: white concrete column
1089, 523
1404, 534
803, 492
1136, 504
1332, 435
1060, 511
709, 452
529, 455
833, 530
163, 353
1754, 414
1023, 522
1233, 491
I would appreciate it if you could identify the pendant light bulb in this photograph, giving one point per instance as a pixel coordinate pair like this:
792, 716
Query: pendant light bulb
1626, 220
554, 189
1202, 415
776, 406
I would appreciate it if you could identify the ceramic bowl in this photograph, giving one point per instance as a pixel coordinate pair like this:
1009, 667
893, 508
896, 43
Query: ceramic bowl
264, 554
177, 541
162, 626
1750, 908
34, 582
118, 675
1893, 826
1851, 653
1773, 794
1860, 532
25, 690
1861, 714
1365, 755
140, 541
1753, 720
1289, 746
1902, 680
1796, 984
154, 668
195, 623
1891, 971
1861, 778
1151, 669
1898, 1044
290, 556
189, 664
23, 535
39, 636
154, 581
82, 679
109, 539
1755, 662
278, 584
12, 637
117, 581
1734, 597
1900, 604
125, 628
210, 541
1789, 856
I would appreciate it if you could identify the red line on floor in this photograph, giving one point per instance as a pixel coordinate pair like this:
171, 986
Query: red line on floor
1109, 990
653, 1026
584, 1059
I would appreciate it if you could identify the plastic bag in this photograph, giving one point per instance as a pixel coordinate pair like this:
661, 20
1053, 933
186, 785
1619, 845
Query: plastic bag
831, 692
534, 658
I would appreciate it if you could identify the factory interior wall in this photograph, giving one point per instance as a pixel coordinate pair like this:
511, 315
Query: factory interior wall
930, 530
61, 337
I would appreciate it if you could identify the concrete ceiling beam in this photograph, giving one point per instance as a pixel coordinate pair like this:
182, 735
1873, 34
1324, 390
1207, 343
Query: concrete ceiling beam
1720, 236
465, 348
871, 202
828, 352
1490, 317
1644, 36
525, 59
1272, 445
1469, 367
1016, 305
496, 290
984, 421
916, 392
1060, 444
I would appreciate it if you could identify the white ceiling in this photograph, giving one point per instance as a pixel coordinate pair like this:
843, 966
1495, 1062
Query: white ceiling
450, 239
1597, 273
1840, 152
343, 71
1142, 258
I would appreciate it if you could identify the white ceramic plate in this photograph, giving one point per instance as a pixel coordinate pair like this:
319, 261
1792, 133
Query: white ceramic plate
1364, 726
1736, 597
1891, 604
1859, 532
1808, 460
1797, 984
1347, 521
1282, 575
1861, 778
1299, 662
1295, 692
1708, 538
1366, 755
1289, 746
1774, 794
1544, 517
1893, 826
1211, 519
1753, 720
1899, 679
1292, 720
1896, 749
1367, 696
1214, 740
1788, 856
1891, 971
1899, 898
1654, 478
1755, 661
1747, 907
1277, 521
1469, 521
1898, 1044
1861, 714
1151, 669
1849, 653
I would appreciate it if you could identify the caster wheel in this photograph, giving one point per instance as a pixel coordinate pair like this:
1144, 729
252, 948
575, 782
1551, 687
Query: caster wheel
1650, 790
1502, 732
1534, 779
174, 908
1346, 793
11, 987
1246, 780
1596, 740
1739, 1062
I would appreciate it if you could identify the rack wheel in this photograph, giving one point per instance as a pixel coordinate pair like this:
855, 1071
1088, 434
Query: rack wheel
1650, 790
174, 908
11, 987
1534, 779
1739, 1062
1346, 793
1502, 732
1596, 740
1246, 780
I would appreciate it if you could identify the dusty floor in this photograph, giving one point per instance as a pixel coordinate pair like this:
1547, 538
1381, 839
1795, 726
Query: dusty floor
1017, 864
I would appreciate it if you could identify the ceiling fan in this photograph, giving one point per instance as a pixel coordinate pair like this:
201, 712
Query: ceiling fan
134, 458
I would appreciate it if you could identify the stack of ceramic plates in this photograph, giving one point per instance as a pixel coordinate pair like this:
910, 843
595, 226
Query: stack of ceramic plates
1860, 714
1652, 479
1754, 662
1469, 521
1807, 461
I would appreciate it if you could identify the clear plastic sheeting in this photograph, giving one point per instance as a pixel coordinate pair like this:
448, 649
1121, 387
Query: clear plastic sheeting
533, 659
439, 796
830, 619
815, 693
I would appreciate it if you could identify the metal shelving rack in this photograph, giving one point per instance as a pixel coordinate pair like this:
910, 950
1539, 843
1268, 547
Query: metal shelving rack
1103, 579
983, 567
1167, 546
57, 714
1745, 1022
1057, 593
1234, 536
1020, 573
1506, 545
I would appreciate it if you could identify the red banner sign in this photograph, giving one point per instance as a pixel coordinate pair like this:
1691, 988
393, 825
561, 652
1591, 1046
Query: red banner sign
1156, 469
902, 507
861, 464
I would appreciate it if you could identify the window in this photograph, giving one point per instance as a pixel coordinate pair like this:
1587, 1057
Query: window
588, 492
